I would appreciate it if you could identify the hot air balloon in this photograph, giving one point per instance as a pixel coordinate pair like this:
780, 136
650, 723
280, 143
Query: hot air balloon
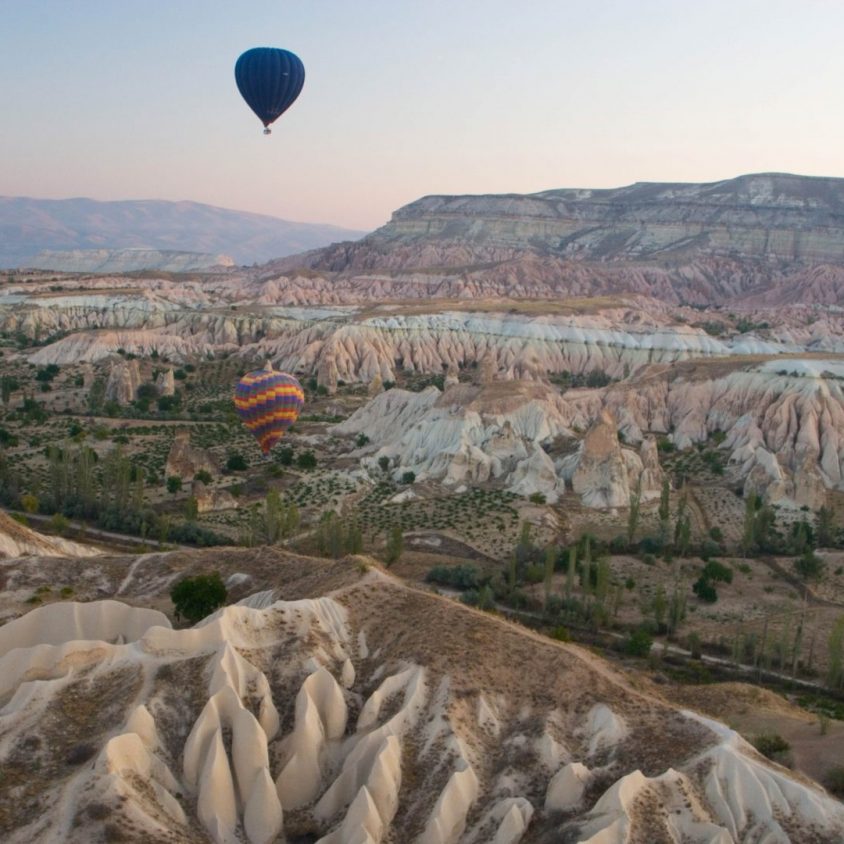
268, 403
269, 80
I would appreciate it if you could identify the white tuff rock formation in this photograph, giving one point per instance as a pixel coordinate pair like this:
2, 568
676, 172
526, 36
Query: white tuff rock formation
124, 378
166, 383
414, 757
185, 460
17, 540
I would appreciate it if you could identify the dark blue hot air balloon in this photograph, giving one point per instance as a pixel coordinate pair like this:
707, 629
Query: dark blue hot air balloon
269, 80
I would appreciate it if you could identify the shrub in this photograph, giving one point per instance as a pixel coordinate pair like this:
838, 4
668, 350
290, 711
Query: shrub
534, 573
461, 577
59, 524
408, 477
835, 780
704, 589
236, 462
196, 597
716, 534
203, 476
285, 456
80, 753
809, 566
561, 634
384, 462
306, 460
710, 549
772, 745
169, 403
7, 439
174, 484
29, 503
361, 440
718, 572
395, 545
639, 642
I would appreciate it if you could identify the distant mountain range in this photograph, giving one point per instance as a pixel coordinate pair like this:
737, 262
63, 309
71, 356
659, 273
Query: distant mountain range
31, 226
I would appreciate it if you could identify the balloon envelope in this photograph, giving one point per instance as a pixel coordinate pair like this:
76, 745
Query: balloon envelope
268, 403
269, 80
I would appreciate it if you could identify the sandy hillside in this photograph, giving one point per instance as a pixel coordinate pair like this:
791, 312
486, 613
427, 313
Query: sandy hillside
344, 706
17, 540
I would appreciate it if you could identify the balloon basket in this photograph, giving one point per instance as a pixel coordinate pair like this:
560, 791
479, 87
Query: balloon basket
268, 131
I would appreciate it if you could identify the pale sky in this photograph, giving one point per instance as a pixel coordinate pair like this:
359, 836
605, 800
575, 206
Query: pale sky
135, 99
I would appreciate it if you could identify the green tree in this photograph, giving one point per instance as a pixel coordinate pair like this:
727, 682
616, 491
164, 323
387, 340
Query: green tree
664, 511
29, 503
285, 456
704, 589
196, 597
191, 509
236, 462
825, 531
203, 476
809, 566
8, 385
163, 529
835, 669
59, 524
290, 520
354, 538
306, 460
329, 535
633, 517
174, 484
639, 643
570, 571
659, 607
273, 516
408, 477
384, 462
550, 560
676, 605
395, 545
96, 396
748, 533
682, 527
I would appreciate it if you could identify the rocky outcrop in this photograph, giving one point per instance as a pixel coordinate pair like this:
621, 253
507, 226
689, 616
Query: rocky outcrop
327, 372
601, 475
184, 460
124, 378
467, 434
18, 540
210, 499
166, 383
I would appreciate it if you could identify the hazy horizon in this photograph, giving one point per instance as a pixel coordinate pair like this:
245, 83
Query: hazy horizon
110, 102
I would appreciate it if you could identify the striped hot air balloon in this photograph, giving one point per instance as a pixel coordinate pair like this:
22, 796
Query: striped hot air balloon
268, 403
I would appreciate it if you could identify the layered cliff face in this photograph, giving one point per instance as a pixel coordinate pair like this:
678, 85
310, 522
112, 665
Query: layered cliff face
769, 215
752, 236
352, 710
